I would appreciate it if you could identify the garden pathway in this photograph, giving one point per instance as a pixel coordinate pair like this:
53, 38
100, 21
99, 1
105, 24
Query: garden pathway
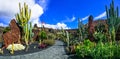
57, 51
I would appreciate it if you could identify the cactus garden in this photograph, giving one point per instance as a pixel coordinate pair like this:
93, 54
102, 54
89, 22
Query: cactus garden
95, 39
21, 37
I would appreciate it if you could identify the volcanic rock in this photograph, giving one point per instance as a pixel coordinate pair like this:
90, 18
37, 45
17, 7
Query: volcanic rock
12, 36
36, 31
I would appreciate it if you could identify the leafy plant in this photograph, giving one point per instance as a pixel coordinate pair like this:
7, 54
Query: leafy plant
84, 49
43, 35
99, 36
108, 50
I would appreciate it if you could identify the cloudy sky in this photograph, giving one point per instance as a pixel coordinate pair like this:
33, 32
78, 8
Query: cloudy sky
56, 13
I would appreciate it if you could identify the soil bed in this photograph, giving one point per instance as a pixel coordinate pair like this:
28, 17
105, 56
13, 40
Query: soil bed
32, 49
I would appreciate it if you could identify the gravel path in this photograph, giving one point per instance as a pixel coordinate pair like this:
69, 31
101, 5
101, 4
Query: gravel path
55, 52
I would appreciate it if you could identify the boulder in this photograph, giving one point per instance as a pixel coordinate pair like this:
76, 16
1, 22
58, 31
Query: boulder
12, 36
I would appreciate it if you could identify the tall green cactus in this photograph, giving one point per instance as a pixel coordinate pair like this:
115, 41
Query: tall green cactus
67, 34
24, 15
26, 31
81, 30
30, 31
113, 20
23, 18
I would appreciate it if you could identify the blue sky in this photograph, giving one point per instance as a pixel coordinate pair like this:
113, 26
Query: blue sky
65, 10
59, 13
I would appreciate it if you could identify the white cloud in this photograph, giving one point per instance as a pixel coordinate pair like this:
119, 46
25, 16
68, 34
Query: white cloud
100, 16
36, 11
73, 19
8, 9
85, 18
57, 26
43, 3
69, 19
3, 25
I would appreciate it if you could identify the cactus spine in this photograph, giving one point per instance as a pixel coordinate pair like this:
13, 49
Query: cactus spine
113, 20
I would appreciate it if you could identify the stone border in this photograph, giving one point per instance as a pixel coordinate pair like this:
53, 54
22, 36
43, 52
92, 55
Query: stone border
36, 55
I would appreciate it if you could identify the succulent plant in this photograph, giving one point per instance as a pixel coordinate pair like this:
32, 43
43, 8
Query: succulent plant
22, 19
68, 42
24, 15
81, 30
113, 20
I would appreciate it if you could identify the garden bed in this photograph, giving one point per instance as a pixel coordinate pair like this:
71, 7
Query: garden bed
33, 53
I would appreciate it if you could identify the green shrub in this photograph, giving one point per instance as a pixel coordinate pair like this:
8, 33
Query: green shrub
99, 36
43, 35
98, 51
49, 42
51, 36
84, 48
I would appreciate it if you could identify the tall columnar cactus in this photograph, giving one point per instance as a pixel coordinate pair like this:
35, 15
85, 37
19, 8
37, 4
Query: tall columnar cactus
30, 31
23, 18
80, 25
81, 30
26, 31
24, 15
113, 20
67, 38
